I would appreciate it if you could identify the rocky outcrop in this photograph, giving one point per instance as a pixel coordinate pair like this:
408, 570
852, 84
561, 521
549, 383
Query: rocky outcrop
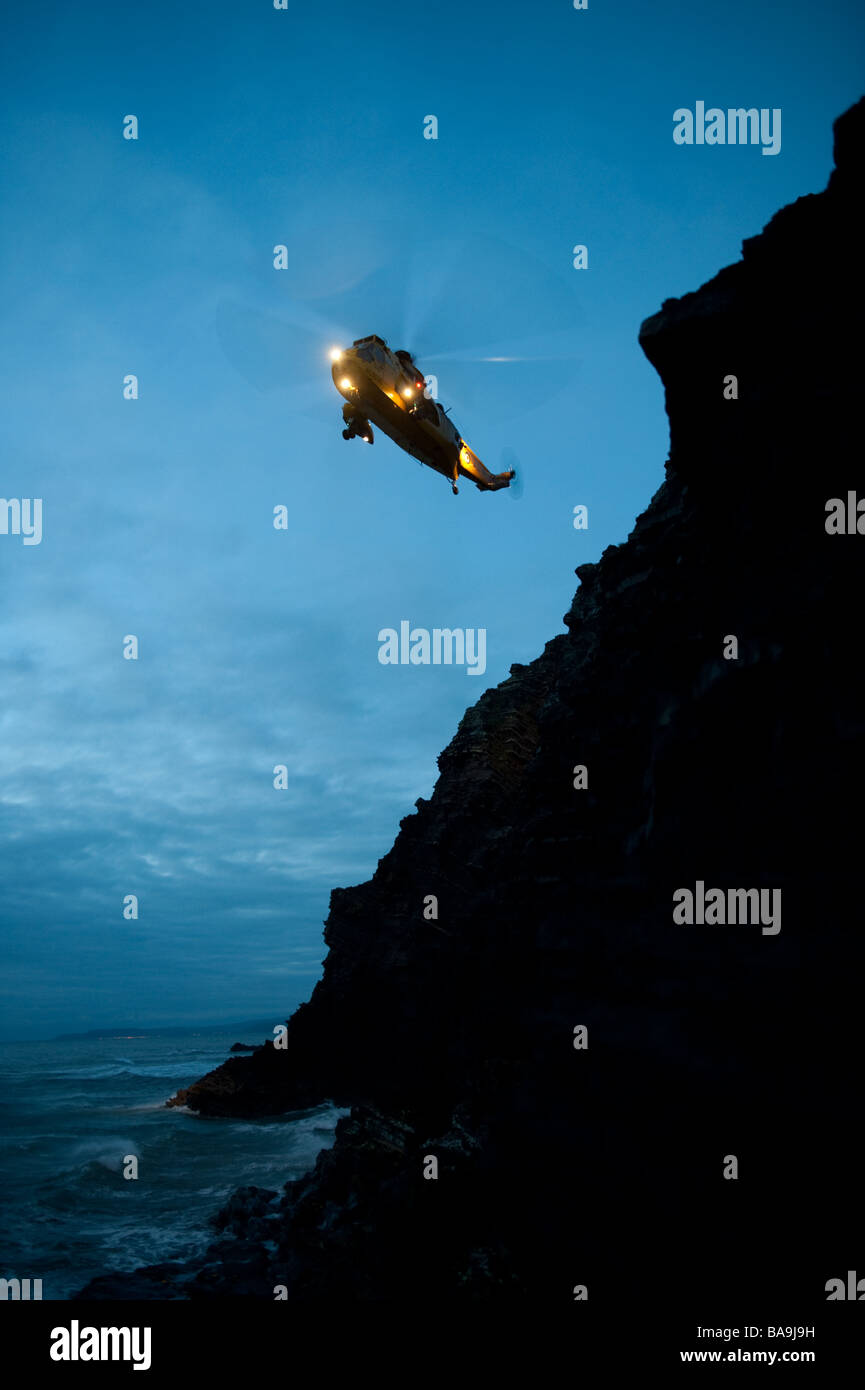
454, 1038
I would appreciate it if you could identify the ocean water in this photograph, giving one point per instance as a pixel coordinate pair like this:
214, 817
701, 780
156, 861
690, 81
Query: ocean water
70, 1111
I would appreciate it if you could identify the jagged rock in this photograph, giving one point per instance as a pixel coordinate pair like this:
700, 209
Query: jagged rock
454, 1038
245, 1212
157, 1283
261, 1084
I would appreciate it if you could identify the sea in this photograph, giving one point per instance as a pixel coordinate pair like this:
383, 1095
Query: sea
74, 1111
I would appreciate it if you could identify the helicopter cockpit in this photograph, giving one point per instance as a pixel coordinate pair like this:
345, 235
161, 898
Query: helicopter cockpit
372, 350
425, 409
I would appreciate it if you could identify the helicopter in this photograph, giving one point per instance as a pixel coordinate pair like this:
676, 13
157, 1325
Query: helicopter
386, 388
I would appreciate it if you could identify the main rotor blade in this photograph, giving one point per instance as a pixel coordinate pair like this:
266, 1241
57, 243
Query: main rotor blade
441, 296
521, 318
490, 292
481, 392
272, 354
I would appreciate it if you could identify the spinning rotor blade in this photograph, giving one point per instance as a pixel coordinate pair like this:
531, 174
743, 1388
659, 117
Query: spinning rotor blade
518, 321
428, 296
273, 353
510, 461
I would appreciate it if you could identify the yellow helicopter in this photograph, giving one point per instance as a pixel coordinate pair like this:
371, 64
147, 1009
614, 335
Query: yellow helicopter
385, 388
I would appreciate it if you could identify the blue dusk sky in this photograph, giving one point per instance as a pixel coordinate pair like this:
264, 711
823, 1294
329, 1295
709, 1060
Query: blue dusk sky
304, 127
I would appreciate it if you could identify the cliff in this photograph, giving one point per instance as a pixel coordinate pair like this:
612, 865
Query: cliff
454, 1038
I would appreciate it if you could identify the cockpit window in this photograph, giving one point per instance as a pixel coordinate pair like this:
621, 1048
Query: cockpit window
426, 410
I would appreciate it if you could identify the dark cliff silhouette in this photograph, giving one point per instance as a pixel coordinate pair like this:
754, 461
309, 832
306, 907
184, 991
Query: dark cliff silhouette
455, 1037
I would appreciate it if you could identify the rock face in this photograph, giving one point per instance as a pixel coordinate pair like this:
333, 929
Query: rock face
454, 1038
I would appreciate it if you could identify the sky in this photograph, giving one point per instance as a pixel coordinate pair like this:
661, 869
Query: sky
259, 647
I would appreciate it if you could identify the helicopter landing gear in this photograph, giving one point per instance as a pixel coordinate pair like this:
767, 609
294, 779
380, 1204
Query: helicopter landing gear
456, 474
454, 489
358, 429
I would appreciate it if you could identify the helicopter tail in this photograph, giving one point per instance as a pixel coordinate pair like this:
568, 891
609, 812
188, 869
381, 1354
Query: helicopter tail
471, 467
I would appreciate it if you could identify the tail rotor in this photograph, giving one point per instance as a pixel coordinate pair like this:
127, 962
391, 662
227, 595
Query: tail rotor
510, 463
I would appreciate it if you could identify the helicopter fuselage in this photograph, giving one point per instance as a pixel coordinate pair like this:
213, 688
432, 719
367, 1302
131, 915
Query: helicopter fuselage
386, 389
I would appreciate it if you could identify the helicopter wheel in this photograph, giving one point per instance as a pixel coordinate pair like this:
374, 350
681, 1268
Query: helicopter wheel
455, 489
347, 434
